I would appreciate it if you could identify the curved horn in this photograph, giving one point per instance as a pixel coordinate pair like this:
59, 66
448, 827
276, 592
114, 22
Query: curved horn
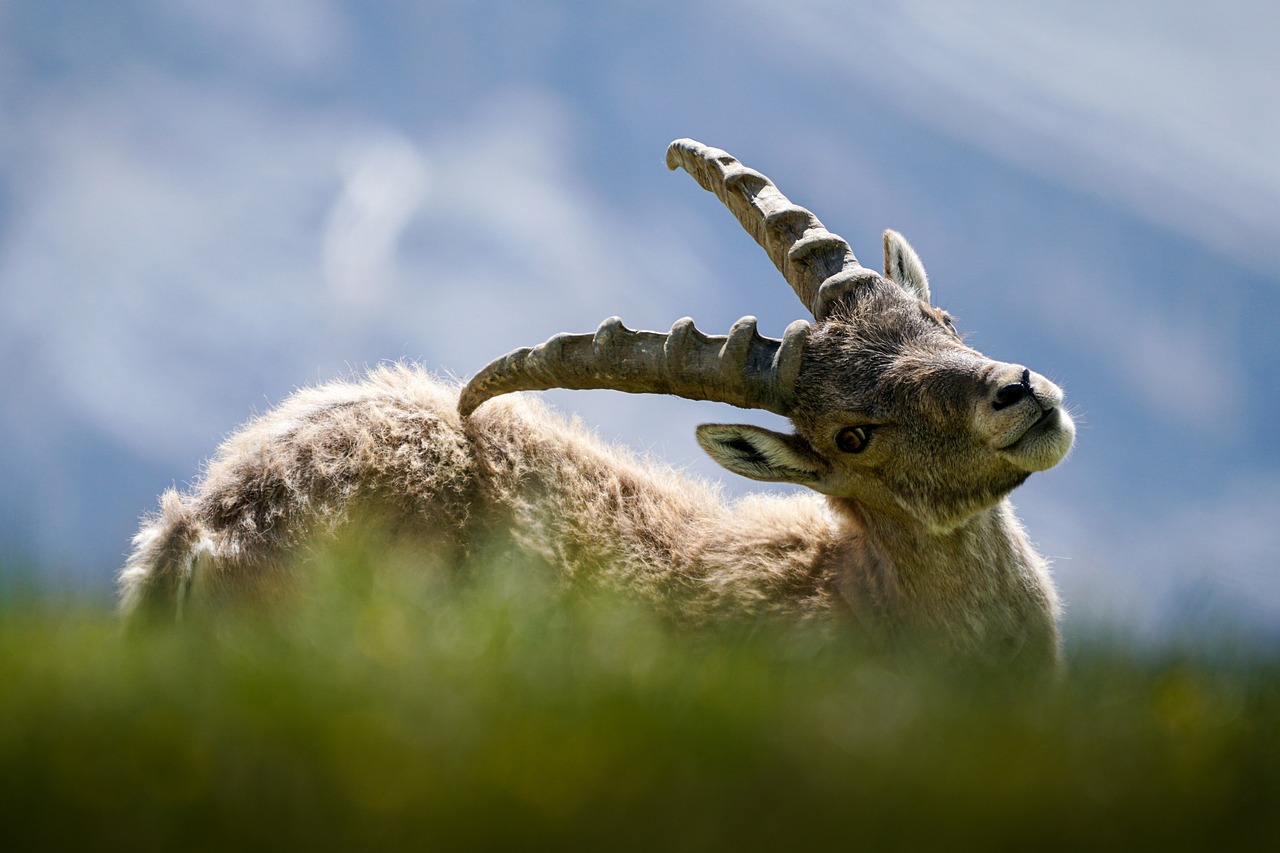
742, 368
818, 265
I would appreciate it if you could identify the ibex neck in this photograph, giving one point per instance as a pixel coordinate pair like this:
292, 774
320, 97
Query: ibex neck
981, 585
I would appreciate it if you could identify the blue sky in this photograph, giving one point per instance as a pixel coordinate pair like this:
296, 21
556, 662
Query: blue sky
206, 204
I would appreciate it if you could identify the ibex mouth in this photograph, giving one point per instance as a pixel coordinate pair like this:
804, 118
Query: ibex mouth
1048, 419
1044, 441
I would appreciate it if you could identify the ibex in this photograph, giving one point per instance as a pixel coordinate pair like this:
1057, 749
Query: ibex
912, 439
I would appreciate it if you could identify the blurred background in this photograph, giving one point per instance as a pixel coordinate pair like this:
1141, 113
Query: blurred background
207, 203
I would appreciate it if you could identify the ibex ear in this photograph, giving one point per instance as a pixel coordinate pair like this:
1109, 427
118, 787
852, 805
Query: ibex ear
761, 454
902, 264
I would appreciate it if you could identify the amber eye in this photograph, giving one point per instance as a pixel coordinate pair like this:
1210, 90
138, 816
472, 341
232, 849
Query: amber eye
853, 439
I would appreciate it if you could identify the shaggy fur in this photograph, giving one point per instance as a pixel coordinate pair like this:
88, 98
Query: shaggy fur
394, 445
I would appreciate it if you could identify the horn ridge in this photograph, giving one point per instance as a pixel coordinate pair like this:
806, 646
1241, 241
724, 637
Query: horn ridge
800, 246
786, 361
743, 368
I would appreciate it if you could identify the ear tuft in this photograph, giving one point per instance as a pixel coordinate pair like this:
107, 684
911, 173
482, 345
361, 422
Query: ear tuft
902, 265
761, 454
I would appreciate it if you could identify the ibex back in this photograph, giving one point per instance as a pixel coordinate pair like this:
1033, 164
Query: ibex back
913, 439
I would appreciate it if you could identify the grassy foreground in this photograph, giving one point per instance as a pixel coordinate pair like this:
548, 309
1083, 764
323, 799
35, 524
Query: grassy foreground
393, 710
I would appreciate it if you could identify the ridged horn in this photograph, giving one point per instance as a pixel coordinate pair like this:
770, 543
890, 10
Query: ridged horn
818, 265
742, 368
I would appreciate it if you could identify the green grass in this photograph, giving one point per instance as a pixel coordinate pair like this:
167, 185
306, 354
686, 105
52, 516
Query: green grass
397, 709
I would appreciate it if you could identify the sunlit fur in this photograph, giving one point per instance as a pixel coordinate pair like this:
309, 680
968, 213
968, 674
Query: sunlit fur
516, 473
914, 542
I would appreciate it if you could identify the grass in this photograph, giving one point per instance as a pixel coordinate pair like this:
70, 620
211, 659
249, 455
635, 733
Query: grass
398, 709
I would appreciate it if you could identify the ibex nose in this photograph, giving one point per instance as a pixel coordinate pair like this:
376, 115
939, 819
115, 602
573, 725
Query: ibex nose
1012, 393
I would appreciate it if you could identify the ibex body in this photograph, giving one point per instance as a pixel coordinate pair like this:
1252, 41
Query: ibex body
911, 440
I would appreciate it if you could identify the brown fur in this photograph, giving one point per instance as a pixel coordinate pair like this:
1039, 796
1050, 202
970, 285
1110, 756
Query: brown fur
394, 445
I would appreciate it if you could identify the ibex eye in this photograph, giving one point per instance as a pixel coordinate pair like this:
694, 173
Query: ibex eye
853, 439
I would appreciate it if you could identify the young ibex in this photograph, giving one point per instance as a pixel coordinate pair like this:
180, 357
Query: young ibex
914, 439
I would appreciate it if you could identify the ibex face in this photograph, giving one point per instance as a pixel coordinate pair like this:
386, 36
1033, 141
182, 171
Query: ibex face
890, 407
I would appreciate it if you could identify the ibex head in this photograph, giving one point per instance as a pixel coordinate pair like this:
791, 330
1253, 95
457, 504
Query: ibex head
890, 407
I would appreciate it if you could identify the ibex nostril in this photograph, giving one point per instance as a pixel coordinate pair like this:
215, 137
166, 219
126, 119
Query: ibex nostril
1010, 394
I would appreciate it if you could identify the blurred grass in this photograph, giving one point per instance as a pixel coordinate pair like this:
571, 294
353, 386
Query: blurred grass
399, 707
